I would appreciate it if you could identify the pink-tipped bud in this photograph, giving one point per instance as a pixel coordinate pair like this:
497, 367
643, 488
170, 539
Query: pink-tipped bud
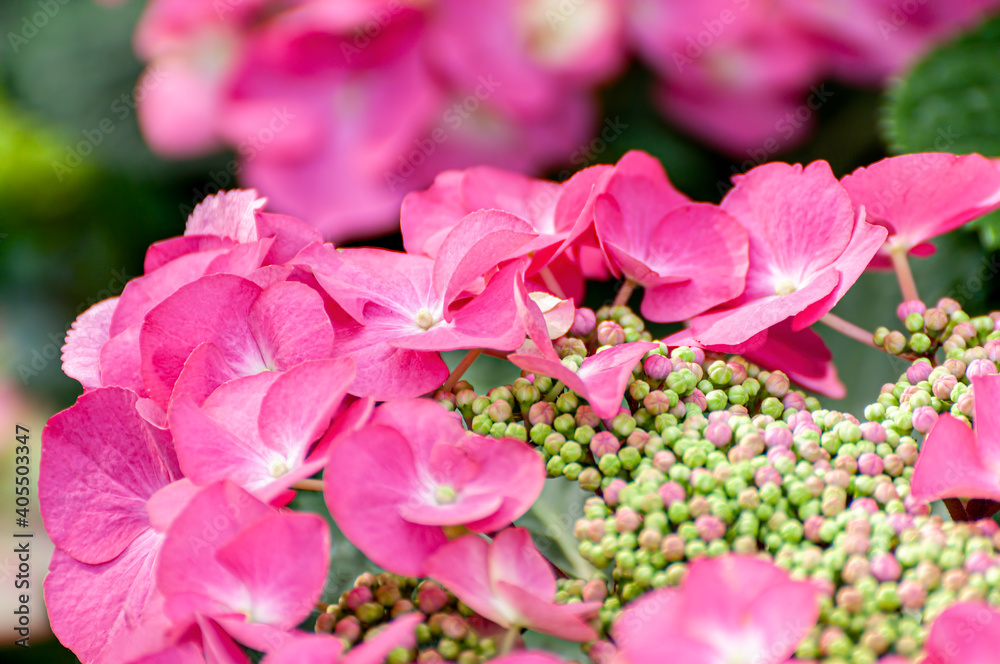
924, 418
710, 527
870, 463
978, 368
885, 567
657, 367
873, 432
719, 434
671, 492
604, 442
613, 490
910, 307
627, 520
584, 322
918, 371
543, 412
610, 333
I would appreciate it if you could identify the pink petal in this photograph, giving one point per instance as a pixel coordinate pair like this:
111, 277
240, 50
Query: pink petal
489, 320
91, 607
205, 369
290, 324
365, 505
101, 462
399, 633
230, 214
462, 566
190, 576
422, 422
121, 361
735, 326
965, 633
386, 373
950, 465
307, 649
165, 251
564, 622
213, 308
279, 594
477, 244
164, 505
81, 356
924, 195
209, 452
510, 469
513, 558
800, 221
602, 378
987, 420
427, 216
299, 406
865, 243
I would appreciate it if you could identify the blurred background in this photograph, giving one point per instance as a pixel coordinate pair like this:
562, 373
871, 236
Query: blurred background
117, 118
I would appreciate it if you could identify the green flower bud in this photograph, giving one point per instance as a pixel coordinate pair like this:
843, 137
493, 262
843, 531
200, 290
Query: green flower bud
482, 424
567, 402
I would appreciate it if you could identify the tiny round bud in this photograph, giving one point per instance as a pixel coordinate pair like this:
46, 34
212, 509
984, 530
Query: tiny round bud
657, 367
610, 333
584, 322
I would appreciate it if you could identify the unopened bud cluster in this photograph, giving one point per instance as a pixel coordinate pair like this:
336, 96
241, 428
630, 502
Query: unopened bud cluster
446, 635
714, 455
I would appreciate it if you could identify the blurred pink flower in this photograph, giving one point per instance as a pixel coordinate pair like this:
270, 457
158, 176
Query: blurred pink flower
964, 633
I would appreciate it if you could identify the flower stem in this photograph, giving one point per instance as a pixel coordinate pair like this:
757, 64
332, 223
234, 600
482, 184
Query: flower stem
901, 263
849, 329
553, 394
509, 639
624, 293
308, 485
456, 375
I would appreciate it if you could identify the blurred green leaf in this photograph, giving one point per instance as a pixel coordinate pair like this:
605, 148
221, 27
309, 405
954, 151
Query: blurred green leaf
950, 102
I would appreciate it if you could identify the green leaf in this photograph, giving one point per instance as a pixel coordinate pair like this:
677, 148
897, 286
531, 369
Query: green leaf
550, 522
950, 102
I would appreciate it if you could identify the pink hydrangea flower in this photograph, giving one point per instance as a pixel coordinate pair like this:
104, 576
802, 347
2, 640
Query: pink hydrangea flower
108, 488
731, 71
919, 196
965, 633
257, 431
509, 582
688, 257
394, 485
808, 246
400, 311
222, 327
960, 462
226, 233
240, 576
601, 378
734, 609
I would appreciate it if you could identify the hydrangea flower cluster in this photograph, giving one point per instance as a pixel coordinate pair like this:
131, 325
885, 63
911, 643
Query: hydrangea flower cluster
307, 91
732, 517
